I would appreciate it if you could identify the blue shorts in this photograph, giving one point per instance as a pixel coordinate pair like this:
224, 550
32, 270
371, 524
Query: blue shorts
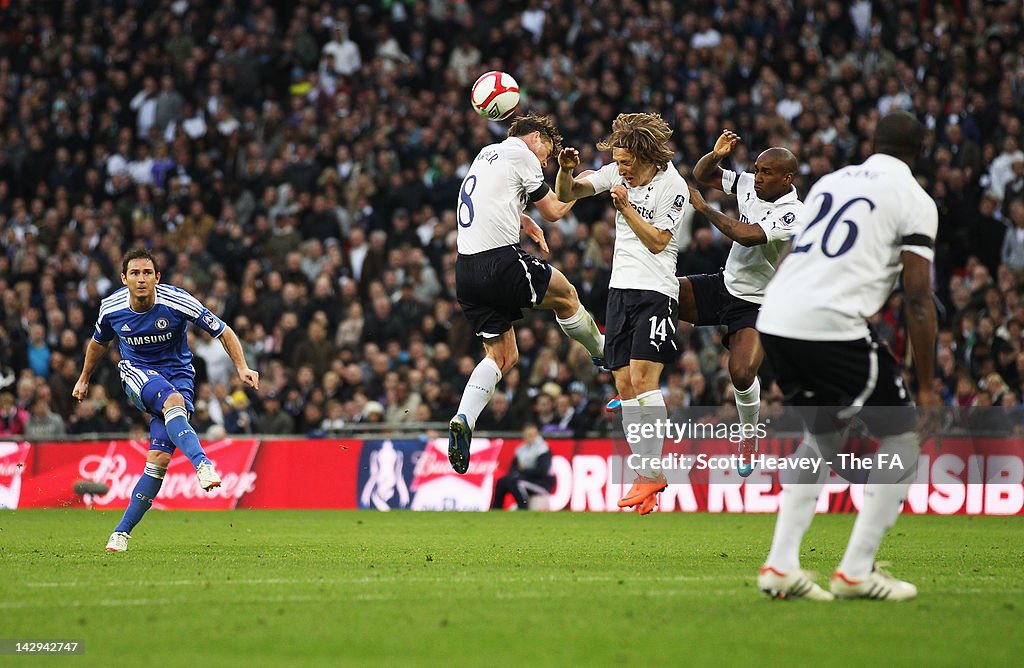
148, 389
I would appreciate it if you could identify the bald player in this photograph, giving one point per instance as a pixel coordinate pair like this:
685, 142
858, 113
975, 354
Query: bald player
768, 207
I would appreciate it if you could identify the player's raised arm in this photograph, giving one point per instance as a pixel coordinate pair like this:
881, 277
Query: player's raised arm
741, 233
708, 169
94, 351
233, 347
567, 187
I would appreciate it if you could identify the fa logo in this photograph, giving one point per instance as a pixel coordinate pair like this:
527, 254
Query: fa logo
161, 323
211, 321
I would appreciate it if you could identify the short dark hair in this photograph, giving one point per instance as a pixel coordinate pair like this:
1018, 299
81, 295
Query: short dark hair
900, 135
785, 158
524, 125
138, 254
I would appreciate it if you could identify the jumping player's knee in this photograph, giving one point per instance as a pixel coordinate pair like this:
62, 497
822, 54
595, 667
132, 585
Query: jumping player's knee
505, 359
742, 376
624, 385
687, 301
571, 297
159, 458
562, 297
641, 383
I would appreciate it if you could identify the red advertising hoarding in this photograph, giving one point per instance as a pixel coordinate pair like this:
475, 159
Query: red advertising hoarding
954, 476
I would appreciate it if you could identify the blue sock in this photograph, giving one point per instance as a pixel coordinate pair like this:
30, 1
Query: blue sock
142, 497
183, 436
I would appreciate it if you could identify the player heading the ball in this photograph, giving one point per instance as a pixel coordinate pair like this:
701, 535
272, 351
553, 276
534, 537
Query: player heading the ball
495, 279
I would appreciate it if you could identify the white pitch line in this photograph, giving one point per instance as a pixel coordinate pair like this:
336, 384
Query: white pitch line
385, 579
333, 597
365, 598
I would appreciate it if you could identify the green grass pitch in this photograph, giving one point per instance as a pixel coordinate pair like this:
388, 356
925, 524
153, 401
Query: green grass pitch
259, 588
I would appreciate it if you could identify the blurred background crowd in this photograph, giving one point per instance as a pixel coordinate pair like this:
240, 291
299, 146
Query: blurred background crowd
295, 165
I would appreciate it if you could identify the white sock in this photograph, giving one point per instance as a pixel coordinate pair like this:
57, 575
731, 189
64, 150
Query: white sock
652, 411
630, 423
883, 502
479, 390
748, 406
582, 328
796, 506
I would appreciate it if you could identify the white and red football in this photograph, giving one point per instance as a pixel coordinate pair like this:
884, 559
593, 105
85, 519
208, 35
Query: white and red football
495, 95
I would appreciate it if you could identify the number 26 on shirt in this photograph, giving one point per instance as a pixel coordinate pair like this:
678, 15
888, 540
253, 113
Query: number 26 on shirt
837, 224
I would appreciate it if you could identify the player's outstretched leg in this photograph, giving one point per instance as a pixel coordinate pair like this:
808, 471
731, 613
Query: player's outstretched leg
184, 437
502, 355
575, 321
858, 575
142, 499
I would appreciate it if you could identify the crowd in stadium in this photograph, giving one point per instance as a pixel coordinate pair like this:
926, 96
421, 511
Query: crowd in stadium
295, 166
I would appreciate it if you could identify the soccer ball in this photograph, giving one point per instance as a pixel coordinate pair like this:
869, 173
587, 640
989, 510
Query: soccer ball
495, 95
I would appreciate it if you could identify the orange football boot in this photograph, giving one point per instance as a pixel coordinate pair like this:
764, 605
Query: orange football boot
643, 487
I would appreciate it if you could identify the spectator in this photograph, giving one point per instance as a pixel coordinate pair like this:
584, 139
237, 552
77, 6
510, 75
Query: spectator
12, 418
529, 474
201, 420
241, 171
1013, 243
274, 421
38, 351
85, 420
114, 421
43, 423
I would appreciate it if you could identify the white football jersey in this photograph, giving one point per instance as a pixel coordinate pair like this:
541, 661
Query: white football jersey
660, 203
499, 184
845, 257
748, 269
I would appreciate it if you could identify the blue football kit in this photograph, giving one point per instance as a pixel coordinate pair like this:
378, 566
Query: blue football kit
155, 357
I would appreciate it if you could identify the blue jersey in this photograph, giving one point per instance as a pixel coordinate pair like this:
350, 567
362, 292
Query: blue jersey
155, 339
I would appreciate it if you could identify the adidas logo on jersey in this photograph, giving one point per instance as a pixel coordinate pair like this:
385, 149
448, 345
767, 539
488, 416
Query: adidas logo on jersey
125, 328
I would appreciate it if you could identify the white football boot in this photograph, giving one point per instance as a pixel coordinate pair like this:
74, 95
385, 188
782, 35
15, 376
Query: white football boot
118, 542
208, 477
878, 586
792, 585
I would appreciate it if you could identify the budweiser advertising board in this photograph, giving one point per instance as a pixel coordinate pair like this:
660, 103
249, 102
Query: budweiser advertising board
952, 476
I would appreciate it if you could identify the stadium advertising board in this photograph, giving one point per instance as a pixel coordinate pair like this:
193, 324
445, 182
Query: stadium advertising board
954, 476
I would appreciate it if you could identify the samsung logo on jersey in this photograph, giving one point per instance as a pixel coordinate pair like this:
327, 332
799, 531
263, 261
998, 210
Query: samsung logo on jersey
140, 340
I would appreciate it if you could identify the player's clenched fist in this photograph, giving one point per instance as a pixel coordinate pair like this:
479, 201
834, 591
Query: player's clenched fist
250, 378
620, 197
81, 390
568, 158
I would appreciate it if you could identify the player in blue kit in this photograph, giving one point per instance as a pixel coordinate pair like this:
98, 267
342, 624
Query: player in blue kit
151, 320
